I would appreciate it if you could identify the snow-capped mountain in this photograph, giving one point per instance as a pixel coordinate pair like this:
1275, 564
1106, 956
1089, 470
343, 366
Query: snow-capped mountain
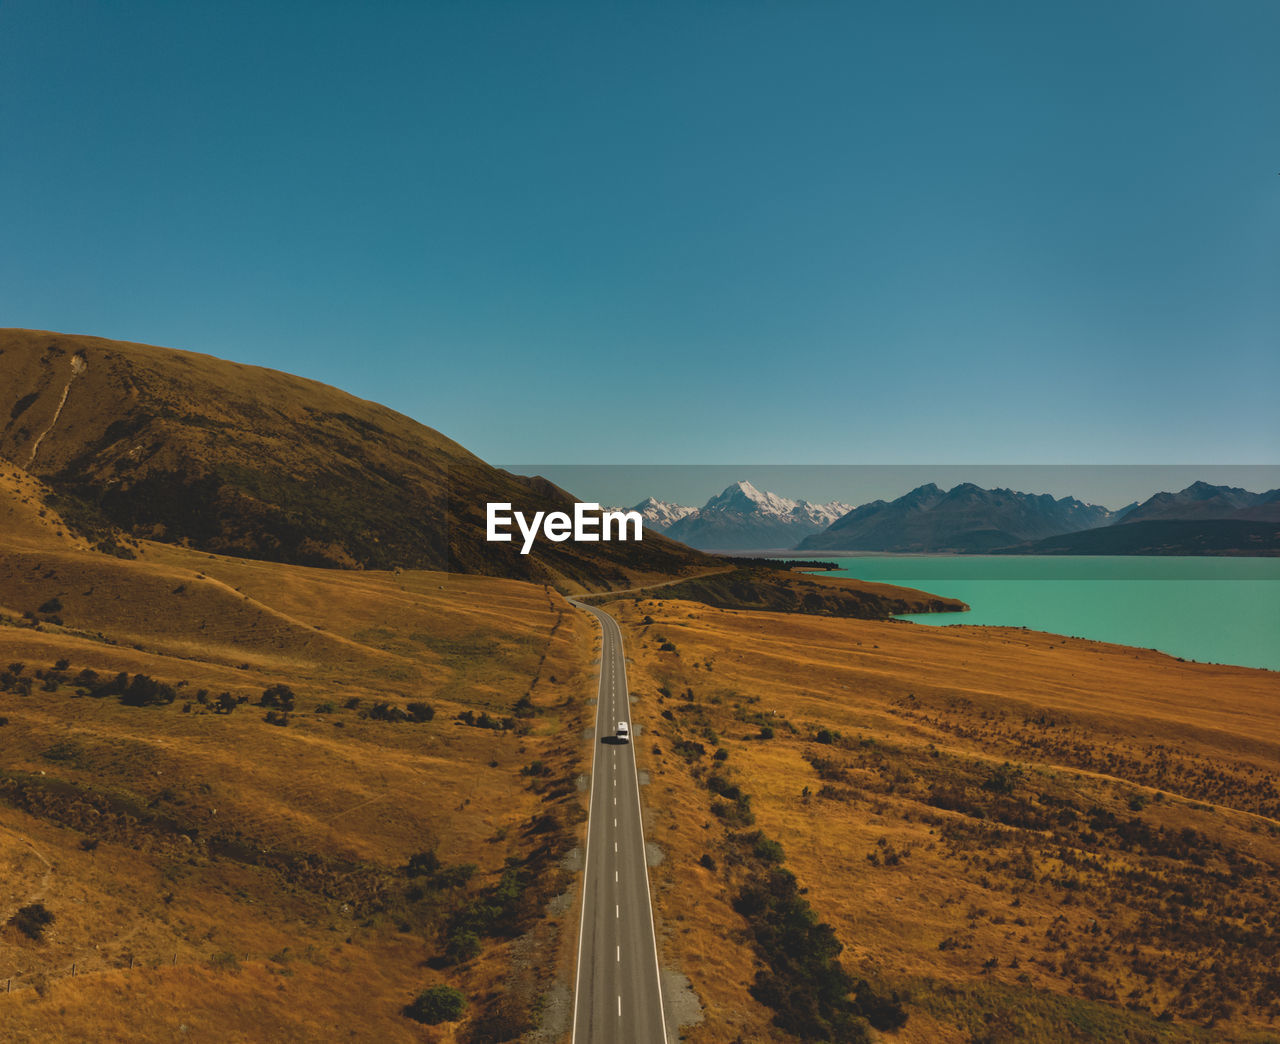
660, 515
742, 518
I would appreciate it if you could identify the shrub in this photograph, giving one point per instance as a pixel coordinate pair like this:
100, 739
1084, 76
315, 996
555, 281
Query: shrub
423, 864
462, 946
32, 920
438, 1004
1002, 779
53, 605
420, 712
145, 692
278, 696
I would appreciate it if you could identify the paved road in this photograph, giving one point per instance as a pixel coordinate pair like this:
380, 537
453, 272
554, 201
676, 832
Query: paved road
617, 995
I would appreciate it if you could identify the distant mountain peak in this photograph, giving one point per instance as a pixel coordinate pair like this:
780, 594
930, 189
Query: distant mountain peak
964, 518
1203, 500
741, 517
661, 515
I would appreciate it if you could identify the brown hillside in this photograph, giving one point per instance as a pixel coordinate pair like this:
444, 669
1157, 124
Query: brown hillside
27, 518
185, 448
1023, 836
247, 879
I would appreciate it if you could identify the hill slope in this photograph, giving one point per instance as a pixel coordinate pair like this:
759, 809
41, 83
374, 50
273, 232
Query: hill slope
186, 448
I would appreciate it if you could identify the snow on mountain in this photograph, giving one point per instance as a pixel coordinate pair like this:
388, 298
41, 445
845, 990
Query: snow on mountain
660, 515
743, 498
743, 518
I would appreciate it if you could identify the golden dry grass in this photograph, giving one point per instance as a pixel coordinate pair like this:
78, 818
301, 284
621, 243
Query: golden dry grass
926, 717
239, 864
236, 859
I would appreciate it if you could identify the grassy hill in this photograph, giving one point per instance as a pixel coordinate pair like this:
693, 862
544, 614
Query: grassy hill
1007, 833
1011, 835
188, 449
221, 853
782, 590
245, 797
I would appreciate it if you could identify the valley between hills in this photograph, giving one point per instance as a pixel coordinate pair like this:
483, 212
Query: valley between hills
272, 782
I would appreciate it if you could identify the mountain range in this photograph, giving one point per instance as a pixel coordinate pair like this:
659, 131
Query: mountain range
967, 519
1200, 500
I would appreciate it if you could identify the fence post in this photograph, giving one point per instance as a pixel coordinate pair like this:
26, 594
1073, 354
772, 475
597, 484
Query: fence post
131, 962
174, 962
73, 970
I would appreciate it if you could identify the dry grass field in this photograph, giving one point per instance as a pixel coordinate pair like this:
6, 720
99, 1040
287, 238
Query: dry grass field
214, 876
1021, 836
333, 789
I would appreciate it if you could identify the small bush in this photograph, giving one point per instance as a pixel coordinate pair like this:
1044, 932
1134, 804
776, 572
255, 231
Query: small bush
436, 1005
32, 920
462, 946
278, 696
423, 864
143, 691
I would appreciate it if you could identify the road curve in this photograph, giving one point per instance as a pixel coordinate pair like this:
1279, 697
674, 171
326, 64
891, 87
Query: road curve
617, 995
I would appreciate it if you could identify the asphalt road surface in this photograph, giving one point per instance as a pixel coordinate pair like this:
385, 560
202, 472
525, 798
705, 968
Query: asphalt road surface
617, 995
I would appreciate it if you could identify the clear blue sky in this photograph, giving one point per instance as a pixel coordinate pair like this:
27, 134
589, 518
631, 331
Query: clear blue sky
677, 233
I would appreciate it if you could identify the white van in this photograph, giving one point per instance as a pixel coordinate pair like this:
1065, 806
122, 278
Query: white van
624, 732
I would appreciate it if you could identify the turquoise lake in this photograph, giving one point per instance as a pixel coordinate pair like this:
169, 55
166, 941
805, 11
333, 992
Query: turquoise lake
1215, 610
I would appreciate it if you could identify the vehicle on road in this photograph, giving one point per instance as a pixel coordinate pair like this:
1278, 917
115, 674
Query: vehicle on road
624, 731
